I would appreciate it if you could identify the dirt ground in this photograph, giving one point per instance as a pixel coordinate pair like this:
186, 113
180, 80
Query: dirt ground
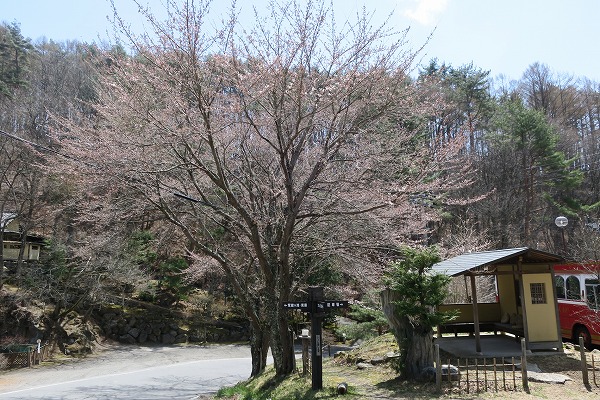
380, 382
567, 364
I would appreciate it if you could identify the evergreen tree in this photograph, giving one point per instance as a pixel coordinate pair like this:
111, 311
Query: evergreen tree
542, 179
15, 51
411, 307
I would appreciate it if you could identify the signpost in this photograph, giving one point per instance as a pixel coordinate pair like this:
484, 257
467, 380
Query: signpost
295, 305
317, 307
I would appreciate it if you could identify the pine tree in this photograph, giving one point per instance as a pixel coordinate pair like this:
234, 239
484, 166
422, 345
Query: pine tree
15, 51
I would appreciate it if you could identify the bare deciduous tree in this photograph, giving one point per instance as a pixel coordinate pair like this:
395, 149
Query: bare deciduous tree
271, 150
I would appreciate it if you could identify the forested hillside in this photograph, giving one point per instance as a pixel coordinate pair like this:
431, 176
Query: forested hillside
244, 171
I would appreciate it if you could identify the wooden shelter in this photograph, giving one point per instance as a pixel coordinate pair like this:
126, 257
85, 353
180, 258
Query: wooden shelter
13, 239
526, 299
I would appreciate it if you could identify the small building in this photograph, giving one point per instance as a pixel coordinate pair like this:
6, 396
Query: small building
12, 240
525, 305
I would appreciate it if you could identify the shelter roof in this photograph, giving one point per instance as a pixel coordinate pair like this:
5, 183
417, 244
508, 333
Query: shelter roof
466, 262
6, 217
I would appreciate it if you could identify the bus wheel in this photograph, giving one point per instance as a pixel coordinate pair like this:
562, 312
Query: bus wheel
581, 331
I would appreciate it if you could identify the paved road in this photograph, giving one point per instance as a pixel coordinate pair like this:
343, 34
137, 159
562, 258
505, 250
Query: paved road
132, 373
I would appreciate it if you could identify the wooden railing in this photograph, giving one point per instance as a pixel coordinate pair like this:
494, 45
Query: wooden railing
464, 375
482, 375
26, 356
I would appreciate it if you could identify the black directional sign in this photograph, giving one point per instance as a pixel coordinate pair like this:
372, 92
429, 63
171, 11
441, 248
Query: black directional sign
317, 307
321, 305
328, 304
297, 305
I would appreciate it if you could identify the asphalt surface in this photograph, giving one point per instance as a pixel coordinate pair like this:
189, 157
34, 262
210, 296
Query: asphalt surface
132, 372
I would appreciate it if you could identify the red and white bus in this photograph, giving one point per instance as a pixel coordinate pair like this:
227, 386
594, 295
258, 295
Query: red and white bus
578, 295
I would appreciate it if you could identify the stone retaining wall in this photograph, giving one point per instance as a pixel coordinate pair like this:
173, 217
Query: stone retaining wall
146, 326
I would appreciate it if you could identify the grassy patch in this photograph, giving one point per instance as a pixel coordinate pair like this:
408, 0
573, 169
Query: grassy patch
267, 386
372, 381
380, 381
375, 347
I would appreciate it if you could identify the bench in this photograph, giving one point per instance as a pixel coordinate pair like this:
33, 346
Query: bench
465, 327
469, 327
490, 319
508, 328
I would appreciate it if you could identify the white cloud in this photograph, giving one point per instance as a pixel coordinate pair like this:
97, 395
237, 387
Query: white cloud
425, 12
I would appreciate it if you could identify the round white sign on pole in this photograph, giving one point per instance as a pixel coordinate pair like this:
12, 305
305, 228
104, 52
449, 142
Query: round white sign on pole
561, 221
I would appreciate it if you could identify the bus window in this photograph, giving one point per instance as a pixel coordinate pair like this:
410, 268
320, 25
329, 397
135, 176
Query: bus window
592, 296
573, 288
591, 291
559, 282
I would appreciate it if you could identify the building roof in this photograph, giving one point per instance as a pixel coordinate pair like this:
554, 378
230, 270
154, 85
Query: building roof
6, 217
461, 264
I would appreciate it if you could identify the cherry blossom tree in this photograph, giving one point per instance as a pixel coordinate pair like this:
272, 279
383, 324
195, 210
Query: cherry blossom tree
271, 150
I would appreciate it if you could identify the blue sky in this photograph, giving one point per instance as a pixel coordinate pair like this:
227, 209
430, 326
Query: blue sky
502, 36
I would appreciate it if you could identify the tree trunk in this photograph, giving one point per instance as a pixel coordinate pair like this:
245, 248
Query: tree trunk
1, 256
388, 297
259, 347
21, 257
418, 353
281, 343
416, 345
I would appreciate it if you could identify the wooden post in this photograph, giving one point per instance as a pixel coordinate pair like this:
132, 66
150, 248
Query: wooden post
524, 366
438, 369
305, 345
317, 307
467, 369
556, 312
594, 371
475, 316
513, 374
584, 368
504, 372
485, 381
315, 296
523, 305
495, 376
477, 375
459, 373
